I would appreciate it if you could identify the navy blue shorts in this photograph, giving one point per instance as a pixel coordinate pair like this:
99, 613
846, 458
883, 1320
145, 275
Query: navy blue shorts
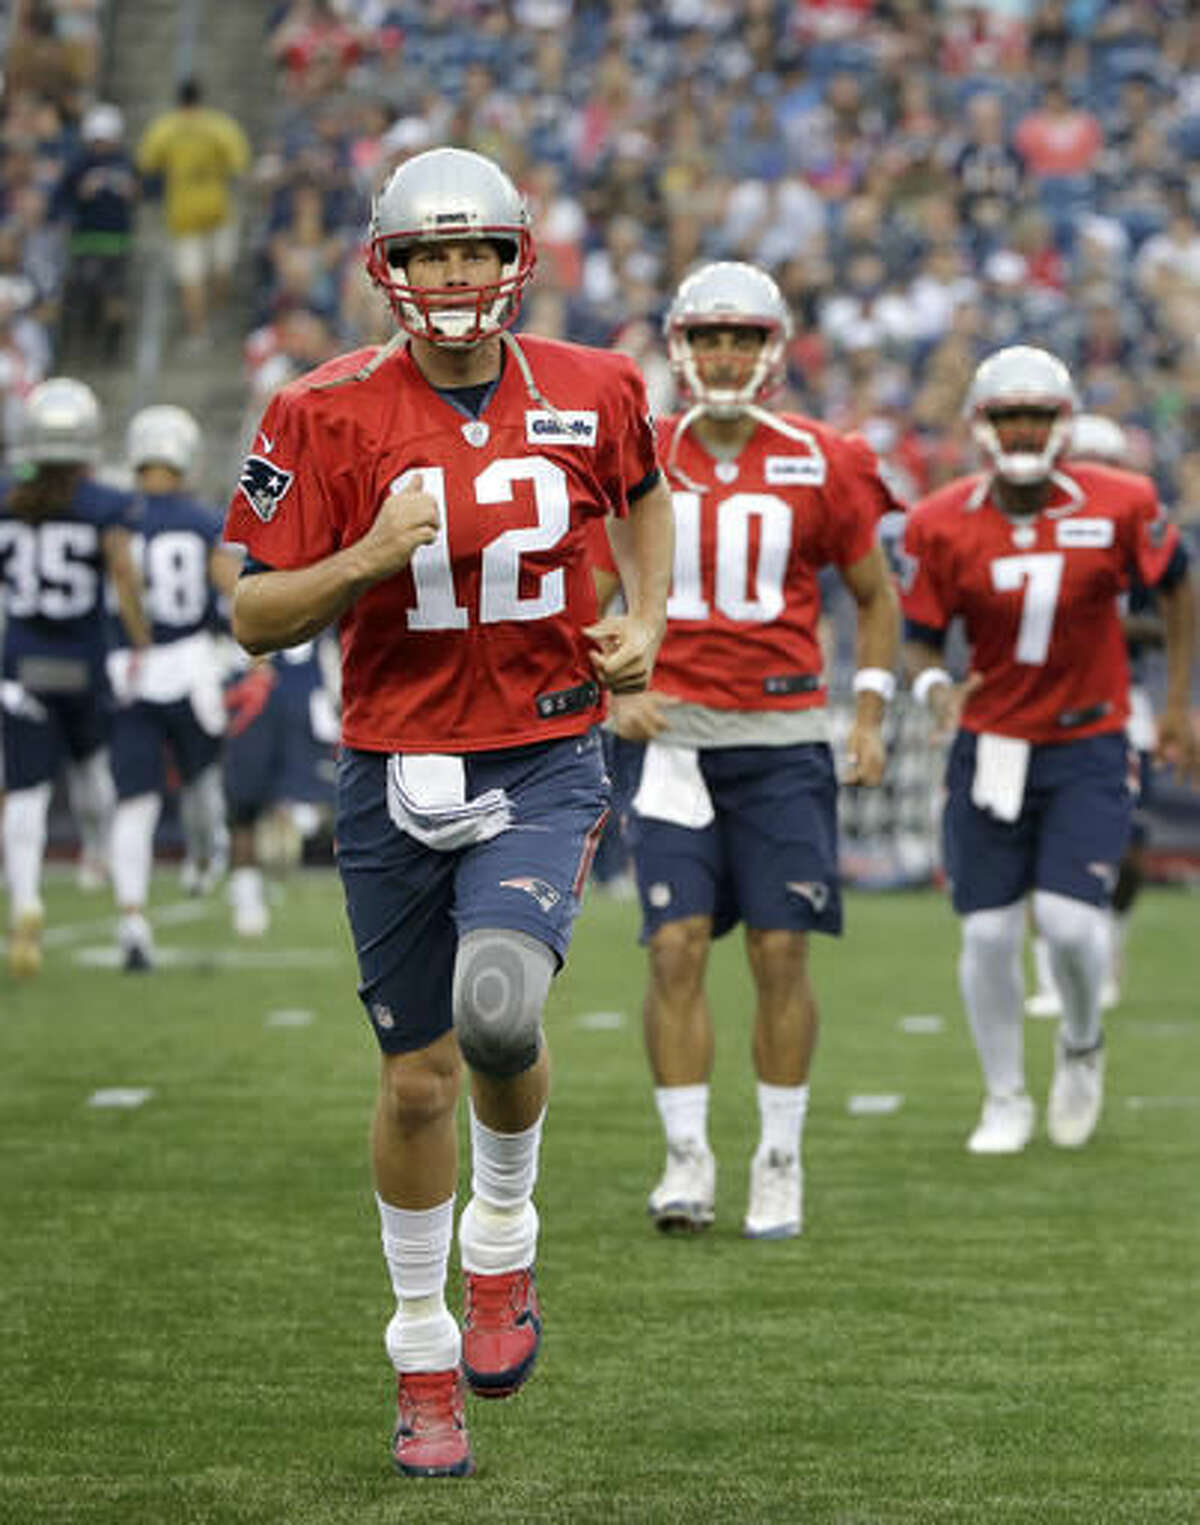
278, 759
143, 732
409, 904
769, 858
75, 726
1069, 838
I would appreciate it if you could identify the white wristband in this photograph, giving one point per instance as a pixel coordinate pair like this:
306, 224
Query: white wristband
875, 680
927, 680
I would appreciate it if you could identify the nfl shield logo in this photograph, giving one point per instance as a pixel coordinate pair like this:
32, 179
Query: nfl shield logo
264, 485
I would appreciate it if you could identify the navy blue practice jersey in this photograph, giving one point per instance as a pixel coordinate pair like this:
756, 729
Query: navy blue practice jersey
52, 571
174, 537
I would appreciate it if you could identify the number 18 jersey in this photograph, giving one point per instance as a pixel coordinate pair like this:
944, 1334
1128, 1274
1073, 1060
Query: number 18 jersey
478, 643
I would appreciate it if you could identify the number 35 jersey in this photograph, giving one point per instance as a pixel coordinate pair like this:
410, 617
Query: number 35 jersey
751, 535
52, 572
1038, 597
478, 643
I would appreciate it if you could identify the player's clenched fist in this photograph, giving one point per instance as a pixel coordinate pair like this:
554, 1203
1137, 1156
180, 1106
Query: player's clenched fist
407, 519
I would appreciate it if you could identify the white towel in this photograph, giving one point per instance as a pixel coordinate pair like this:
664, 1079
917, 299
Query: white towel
1001, 763
426, 797
672, 787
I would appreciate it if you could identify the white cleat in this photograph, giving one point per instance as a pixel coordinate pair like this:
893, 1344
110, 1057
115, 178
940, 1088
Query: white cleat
1044, 1003
1110, 995
776, 1185
1076, 1096
1005, 1125
683, 1201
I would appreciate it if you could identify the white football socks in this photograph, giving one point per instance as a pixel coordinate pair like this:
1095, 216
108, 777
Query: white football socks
25, 814
684, 1114
499, 1226
781, 1111
133, 849
1078, 935
990, 978
422, 1334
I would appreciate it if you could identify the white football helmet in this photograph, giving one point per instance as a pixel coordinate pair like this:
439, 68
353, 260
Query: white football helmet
725, 294
59, 424
163, 435
1096, 438
1021, 377
442, 194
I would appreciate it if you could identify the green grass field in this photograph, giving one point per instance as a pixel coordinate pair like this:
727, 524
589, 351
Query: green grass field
192, 1297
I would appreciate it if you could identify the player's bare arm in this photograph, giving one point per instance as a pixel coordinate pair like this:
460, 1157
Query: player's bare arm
224, 566
878, 648
127, 583
1178, 744
643, 547
274, 610
641, 717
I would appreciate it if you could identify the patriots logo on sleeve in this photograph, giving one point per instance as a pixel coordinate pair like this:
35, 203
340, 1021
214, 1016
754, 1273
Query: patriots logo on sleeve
265, 485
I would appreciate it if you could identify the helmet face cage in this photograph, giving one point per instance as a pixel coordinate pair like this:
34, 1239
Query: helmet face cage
60, 425
728, 295
1022, 377
449, 193
163, 435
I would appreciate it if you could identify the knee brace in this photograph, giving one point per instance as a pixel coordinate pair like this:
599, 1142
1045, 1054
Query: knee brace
501, 981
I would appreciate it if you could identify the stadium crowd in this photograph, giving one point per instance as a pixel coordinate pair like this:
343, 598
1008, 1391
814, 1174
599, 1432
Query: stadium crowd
926, 183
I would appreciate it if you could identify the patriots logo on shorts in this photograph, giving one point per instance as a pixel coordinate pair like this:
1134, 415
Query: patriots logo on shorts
812, 890
545, 894
265, 486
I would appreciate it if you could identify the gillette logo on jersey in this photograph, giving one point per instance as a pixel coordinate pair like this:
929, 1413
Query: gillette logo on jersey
264, 486
543, 427
795, 470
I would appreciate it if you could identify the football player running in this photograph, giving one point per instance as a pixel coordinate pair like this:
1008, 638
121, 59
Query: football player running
433, 497
1100, 439
61, 535
734, 811
1041, 781
171, 693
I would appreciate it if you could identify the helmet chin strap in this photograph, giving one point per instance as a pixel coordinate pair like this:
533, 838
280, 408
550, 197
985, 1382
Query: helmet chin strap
698, 410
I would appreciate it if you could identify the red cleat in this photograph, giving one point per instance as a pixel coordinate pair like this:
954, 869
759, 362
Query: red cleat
431, 1432
502, 1331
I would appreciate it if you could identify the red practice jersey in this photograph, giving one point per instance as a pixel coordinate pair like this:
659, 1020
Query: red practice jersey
474, 645
751, 535
1038, 597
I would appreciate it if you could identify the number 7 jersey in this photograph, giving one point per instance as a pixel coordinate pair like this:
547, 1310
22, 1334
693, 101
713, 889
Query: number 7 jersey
1038, 596
478, 643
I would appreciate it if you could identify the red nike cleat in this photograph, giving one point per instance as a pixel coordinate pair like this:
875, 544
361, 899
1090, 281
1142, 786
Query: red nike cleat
431, 1432
502, 1331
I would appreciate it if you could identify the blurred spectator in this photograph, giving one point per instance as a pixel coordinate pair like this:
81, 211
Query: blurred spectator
316, 48
989, 171
305, 255
200, 153
97, 199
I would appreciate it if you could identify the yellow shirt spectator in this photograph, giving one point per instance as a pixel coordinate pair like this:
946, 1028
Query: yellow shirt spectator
199, 152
